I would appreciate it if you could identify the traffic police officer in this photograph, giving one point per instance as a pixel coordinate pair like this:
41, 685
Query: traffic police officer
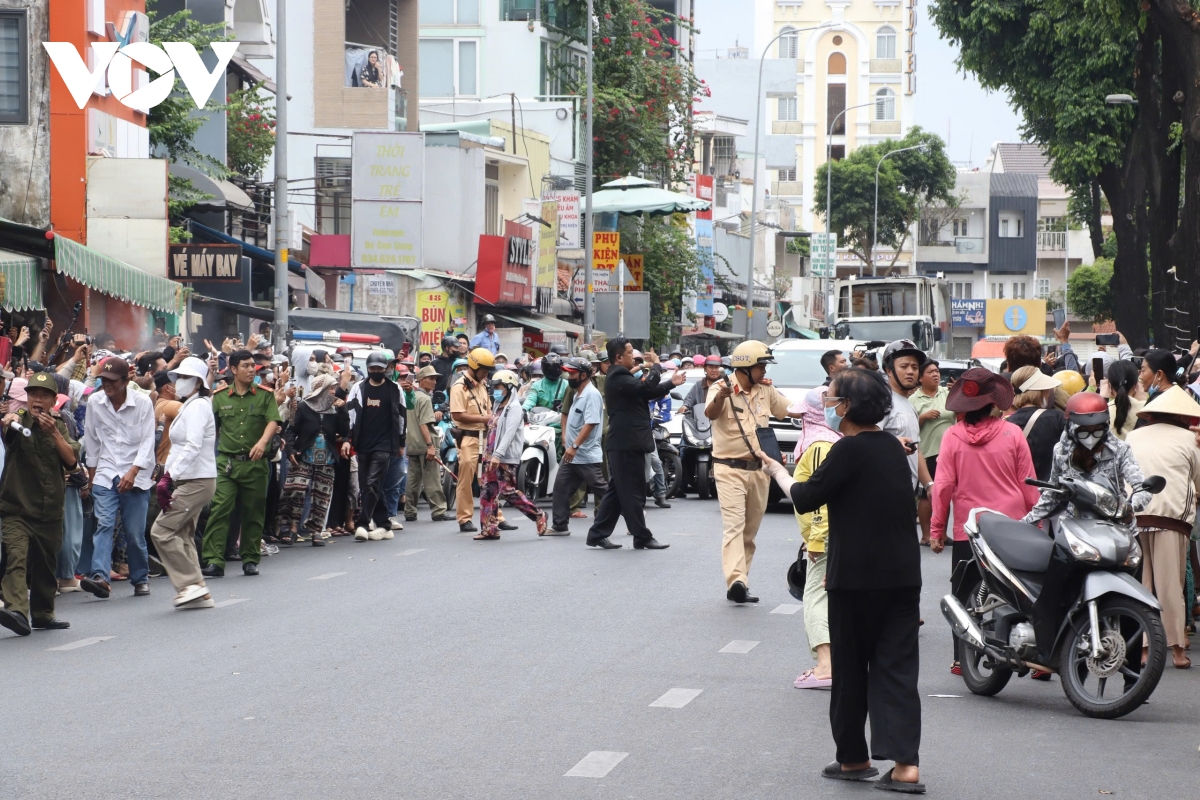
247, 418
31, 502
738, 406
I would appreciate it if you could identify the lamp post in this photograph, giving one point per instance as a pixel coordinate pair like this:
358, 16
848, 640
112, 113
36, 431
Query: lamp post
875, 224
282, 232
754, 198
829, 193
588, 323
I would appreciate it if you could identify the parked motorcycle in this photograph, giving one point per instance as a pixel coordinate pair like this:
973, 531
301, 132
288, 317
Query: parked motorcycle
695, 453
539, 459
668, 453
1065, 602
447, 448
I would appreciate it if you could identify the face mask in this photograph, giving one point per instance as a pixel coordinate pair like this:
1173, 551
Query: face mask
1152, 391
637, 373
1089, 439
573, 382
184, 387
498, 395
257, 380
832, 419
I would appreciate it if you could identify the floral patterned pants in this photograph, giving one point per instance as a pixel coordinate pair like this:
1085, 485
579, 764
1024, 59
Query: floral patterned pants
500, 483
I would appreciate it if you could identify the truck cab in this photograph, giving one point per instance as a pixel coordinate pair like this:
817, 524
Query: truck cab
898, 307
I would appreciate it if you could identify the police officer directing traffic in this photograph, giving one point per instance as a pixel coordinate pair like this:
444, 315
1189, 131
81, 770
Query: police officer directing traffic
738, 408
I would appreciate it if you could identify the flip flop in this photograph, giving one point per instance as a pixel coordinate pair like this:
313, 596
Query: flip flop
808, 680
888, 785
835, 772
483, 536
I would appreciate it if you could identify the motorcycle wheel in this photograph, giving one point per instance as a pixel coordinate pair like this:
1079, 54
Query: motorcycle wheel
529, 479
449, 488
980, 679
1114, 685
702, 479
672, 472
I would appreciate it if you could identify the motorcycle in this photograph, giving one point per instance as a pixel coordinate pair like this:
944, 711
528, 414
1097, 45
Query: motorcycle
695, 453
1066, 602
672, 466
447, 448
539, 459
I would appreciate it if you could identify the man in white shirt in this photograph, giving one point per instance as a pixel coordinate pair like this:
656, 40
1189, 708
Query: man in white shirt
902, 361
119, 442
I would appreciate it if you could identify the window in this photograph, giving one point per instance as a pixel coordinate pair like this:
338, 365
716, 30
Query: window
449, 67
333, 195
837, 152
885, 105
997, 291
1018, 290
14, 69
885, 42
789, 43
449, 12
787, 108
835, 105
1012, 225
1043, 288
960, 226
837, 64
724, 154
787, 174
560, 67
961, 291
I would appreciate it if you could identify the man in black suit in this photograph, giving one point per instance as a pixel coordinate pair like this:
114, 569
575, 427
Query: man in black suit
629, 439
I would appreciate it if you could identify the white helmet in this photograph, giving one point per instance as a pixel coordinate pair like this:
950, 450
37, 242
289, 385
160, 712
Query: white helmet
191, 367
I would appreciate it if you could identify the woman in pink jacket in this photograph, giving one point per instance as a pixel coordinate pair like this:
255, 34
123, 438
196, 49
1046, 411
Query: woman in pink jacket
983, 462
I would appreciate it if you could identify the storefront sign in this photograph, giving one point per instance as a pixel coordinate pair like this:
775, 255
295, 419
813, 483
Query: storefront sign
704, 246
1013, 317
432, 311
547, 258
704, 191
206, 262
382, 285
504, 275
606, 250
910, 68
386, 235
387, 190
570, 220
634, 275
968, 313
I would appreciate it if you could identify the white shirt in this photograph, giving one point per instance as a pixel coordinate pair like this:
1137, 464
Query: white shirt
902, 421
117, 439
193, 441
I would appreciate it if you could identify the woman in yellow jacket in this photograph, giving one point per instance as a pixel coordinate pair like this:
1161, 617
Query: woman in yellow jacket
810, 451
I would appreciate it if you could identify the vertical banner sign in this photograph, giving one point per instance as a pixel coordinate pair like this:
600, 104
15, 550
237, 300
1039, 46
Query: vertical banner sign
634, 274
570, 220
704, 246
910, 68
606, 252
547, 263
704, 191
823, 253
388, 188
432, 311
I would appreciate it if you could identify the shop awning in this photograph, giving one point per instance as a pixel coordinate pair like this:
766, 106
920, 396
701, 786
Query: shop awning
116, 278
25, 239
708, 333
22, 287
542, 322
223, 193
253, 251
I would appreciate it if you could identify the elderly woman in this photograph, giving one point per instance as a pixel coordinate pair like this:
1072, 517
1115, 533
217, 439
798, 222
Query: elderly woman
1164, 446
983, 463
873, 578
1037, 417
315, 442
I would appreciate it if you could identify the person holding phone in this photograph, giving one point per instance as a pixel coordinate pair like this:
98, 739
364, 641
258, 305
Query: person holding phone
902, 362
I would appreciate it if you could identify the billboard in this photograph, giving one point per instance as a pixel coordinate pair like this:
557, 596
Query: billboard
570, 220
704, 245
968, 313
387, 190
1015, 317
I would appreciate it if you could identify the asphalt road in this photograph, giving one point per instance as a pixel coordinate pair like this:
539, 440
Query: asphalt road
434, 666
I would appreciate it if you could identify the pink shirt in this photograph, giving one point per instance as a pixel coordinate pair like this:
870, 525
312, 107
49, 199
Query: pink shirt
982, 465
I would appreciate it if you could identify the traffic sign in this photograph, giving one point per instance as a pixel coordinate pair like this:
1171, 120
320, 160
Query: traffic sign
720, 312
775, 327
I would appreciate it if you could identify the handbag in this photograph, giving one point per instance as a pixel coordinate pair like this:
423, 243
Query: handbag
768, 443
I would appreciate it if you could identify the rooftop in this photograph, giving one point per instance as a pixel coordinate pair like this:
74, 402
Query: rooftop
1025, 158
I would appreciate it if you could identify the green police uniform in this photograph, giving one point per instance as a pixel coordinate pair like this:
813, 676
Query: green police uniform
31, 503
241, 420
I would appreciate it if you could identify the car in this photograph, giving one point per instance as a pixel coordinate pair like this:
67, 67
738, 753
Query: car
952, 370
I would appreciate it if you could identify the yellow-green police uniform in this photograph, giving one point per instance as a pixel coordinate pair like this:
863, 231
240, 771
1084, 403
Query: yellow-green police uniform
241, 420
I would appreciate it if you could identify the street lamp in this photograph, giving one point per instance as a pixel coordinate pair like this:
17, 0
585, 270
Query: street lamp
875, 224
829, 192
1120, 100
754, 199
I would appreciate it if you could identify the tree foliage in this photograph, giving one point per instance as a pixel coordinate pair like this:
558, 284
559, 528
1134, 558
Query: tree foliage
670, 267
906, 181
1089, 291
250, 131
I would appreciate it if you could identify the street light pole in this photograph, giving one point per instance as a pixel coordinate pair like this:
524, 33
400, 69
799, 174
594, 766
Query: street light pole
754, 197
875, 224
829, 197
588, 322
282, 232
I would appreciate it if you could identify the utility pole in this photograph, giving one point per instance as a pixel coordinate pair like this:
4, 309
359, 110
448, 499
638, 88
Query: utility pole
282, 228
588, 321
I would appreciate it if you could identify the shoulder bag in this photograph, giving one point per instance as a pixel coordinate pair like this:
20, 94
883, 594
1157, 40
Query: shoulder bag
768, 444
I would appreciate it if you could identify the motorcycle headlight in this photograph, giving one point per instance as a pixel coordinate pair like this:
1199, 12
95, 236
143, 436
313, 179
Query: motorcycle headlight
1134, 558
1079, 548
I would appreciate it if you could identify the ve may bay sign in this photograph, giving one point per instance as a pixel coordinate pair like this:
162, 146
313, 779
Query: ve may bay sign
388, 188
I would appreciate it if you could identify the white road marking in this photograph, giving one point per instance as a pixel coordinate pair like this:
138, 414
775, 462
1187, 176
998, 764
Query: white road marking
411, 552
82, 643
231, 601
742, 646
327, 576
786, 608
596, 764
945, 695
676, 698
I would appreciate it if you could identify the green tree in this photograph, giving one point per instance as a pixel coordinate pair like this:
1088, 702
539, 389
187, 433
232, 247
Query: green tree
670, 267
250, 131
906, 182
1089, 291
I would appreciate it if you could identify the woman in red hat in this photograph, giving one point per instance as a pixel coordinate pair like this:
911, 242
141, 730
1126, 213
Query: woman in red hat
983, 462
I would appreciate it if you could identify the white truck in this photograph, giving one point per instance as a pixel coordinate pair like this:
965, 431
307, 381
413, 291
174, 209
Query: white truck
899, 307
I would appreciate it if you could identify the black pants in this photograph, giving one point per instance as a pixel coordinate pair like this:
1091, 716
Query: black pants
372, 471
959, 551
873, 645
570, 477
625, 497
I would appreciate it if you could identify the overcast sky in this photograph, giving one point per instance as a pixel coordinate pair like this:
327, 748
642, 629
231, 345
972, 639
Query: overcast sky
950, 104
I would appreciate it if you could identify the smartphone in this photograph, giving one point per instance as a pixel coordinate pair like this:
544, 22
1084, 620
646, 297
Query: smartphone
1108, 339
912, 446
1060, 317
1098, 369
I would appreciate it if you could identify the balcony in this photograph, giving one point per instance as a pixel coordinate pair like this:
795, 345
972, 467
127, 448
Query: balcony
551, 13
787, 127
967, 245
1052, 241
787, 188
886, 66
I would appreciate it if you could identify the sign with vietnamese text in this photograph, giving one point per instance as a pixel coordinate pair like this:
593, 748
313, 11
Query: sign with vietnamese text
547, 254
386, 235
433, 312
968, 313
634, 275
606, 251
205, 262
704, 191
381, 285
824, 254
387, 190
570, 220
704, 247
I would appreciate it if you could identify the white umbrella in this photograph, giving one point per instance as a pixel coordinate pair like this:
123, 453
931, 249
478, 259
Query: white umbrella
632, 195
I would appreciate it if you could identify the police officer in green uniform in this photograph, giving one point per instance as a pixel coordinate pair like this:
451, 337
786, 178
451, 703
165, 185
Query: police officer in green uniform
40, 452
247, 417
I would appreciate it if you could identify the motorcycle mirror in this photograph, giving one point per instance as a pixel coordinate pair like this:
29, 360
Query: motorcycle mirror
1154, 484
676, 396
439, 398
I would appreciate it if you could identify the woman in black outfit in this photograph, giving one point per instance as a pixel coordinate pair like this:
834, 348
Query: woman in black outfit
873, 580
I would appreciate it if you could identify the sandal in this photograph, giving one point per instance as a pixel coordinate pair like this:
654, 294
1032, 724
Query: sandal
906, 787
955, 669
836, 772
481, 537
809, 680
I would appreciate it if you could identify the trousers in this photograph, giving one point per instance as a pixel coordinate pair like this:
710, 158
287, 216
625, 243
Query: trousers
816, 603
570, 478
72, 542
1164, 569
424, 474
132, 506
174, 532
394, 484
241, 485
625, 496
468, 465
743, 498
303, 476
500, 483
876, 661
372, 476
31, 548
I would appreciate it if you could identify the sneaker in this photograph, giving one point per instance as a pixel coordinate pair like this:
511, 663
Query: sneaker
371, 525
410, 517
386, 534
201, 602
361, 534
190, 593
375, 534
396, 524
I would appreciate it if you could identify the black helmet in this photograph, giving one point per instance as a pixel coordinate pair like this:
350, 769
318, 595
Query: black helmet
377, 358
580, 365
552, 366
449, 342
901, 347
559, 349
796, 575
488, 319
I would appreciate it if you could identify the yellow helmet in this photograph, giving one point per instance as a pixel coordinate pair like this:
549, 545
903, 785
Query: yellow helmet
749, 353
480, 357
1072, 381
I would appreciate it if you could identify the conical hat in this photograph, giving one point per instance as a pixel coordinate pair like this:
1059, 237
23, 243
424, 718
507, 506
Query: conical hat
1173, 401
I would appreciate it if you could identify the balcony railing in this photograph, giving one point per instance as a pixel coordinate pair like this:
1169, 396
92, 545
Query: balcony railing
1052, 240
551, 13
787, 188
965, 245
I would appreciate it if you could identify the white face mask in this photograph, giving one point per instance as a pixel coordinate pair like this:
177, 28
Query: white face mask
186, 387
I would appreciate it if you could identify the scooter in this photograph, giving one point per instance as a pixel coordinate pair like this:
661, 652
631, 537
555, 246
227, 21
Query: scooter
447, 449
695, 452
539, 459
1064, 602
672, 466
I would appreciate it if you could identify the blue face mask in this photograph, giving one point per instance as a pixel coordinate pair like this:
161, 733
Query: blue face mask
258, 380
637, 373
498, 395
833, 419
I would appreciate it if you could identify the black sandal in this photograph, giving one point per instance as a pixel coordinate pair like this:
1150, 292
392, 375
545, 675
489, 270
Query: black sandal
904, 787
836, 772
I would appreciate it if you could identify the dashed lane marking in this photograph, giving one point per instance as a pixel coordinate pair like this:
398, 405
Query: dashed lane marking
596, 764
327, 576
82, 643
786, 608
411, 552
676, 698
231, 601
741, 646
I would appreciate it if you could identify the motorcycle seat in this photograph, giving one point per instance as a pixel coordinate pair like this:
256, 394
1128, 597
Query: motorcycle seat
1019, 545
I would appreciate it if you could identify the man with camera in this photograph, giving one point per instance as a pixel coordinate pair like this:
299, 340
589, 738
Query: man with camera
740, 407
